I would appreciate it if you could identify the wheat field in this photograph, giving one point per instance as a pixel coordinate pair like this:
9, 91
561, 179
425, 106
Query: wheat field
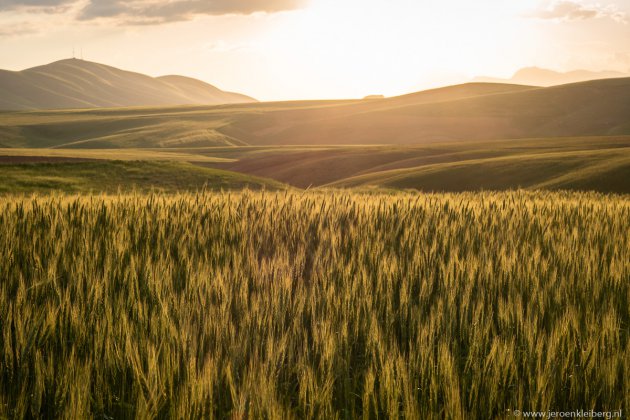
323, 304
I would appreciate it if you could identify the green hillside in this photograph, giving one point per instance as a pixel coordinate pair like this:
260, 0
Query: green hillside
466, 137
162, 127
589, 163
605, 171
584, 109
114, 176
456, 113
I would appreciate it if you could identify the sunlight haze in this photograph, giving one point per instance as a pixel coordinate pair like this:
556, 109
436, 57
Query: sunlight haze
275, 50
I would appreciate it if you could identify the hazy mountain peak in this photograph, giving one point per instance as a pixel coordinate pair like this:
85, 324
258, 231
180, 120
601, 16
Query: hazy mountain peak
74, 83
536, 76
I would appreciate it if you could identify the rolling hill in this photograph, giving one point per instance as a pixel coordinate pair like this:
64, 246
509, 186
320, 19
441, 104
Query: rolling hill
457, 113
77, 83
464, 137
204, 126
586, 163
604, 171
591, 108
121, 176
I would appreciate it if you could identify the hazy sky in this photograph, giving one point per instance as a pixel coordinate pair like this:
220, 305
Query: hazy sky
288, 49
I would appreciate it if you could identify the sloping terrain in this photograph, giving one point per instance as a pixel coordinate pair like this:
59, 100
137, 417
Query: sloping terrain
591, 163
114, 176
467, 137
457, 113
156, 127
114, 128
584, 109
194, 126
603, 171
82, 84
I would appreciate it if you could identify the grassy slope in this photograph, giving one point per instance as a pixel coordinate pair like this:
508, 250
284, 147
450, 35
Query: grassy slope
583, 109
600, 171
464, 112
112, 176
166, 127
178, 155
116, 129
204, 134
598, 163
206, 126
364, 122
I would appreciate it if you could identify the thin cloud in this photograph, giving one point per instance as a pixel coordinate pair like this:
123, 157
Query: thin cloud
37, 6
572, 11
148, 12
17, 29
163, 11
28, 17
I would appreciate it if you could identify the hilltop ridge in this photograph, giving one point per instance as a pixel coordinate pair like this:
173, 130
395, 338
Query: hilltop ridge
74, 83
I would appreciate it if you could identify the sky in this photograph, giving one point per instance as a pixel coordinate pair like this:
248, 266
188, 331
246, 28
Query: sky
312, 49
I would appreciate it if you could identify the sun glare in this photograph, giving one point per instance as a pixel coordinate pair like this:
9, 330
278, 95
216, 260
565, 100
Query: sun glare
362, 47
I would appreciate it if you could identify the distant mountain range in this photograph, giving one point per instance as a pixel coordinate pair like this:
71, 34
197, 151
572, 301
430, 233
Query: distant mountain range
77, 83
535, 76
